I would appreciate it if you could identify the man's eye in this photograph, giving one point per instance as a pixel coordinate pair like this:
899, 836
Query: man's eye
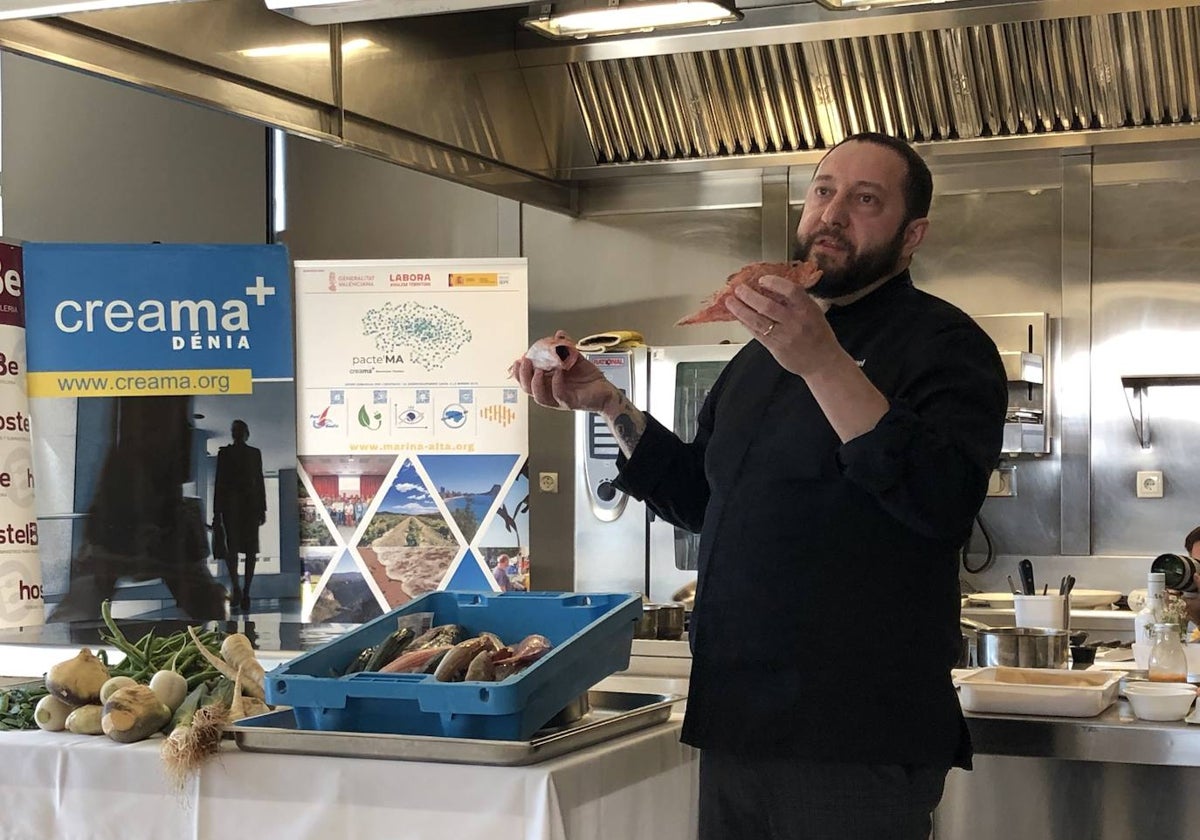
821, 191
867, 198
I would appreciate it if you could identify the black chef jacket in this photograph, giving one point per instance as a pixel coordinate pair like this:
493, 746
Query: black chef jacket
826, 614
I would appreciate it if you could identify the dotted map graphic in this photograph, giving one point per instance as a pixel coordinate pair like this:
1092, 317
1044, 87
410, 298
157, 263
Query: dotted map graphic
430, 333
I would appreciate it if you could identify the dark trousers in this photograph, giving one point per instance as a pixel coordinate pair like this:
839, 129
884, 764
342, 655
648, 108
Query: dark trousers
743, 798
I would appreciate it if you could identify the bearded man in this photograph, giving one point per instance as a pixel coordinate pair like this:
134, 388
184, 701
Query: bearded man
845, 450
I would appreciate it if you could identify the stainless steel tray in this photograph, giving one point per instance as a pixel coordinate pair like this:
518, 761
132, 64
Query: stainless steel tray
612, 713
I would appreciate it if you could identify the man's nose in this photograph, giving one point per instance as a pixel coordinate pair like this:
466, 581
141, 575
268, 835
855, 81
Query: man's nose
836, 211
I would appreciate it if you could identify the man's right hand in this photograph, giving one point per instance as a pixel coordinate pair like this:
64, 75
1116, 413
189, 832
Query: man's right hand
582, 388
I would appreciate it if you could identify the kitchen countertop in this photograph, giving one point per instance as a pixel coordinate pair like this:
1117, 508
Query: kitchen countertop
1114, 736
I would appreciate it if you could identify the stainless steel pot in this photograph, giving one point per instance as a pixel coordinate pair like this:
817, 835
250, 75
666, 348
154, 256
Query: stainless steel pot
1021, 647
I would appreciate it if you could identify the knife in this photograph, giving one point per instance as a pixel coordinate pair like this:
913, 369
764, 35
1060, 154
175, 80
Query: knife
1026, 571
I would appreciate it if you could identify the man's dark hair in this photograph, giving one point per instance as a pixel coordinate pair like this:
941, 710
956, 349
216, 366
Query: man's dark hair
918, 181
1190, 539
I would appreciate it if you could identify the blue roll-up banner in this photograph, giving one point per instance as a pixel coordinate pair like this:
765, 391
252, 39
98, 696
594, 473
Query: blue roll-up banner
143, 360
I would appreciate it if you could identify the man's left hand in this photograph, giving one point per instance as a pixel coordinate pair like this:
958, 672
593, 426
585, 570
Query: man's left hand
794, 331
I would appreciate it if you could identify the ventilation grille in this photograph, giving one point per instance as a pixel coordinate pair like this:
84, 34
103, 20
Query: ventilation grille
1099, 72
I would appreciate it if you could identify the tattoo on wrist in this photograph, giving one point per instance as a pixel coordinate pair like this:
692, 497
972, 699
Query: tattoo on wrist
628, 425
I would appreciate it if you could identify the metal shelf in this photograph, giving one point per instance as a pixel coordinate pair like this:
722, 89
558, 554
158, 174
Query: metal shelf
1135, 397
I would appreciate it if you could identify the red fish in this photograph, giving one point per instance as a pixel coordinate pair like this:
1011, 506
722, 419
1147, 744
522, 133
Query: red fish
806, 274
557, 351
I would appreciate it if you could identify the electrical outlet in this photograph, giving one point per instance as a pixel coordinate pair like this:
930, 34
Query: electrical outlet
548, 482
1149, 484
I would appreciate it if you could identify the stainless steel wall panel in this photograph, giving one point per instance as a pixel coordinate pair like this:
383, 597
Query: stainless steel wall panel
1146, 303
1073, 385
995, 248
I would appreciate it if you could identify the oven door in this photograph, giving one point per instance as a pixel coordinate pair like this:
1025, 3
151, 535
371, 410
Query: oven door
680, 379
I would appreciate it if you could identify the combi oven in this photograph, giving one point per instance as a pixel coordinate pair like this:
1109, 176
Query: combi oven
618, 544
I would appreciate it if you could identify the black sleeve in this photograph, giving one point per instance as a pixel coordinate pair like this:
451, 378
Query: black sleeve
928, 459
668, 474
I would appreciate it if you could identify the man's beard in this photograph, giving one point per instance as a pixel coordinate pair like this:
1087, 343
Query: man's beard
859, 271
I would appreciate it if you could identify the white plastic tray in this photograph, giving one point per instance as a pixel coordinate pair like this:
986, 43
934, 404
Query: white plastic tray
1038, 691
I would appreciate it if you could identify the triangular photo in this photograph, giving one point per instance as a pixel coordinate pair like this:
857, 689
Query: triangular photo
343, 486
468, 485
504, 543
406, 543
343, 595
471, 576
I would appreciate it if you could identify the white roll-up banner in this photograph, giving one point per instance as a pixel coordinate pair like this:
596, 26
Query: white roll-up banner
20, 569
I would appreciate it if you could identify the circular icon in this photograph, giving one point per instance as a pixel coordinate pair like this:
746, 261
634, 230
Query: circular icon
454, 416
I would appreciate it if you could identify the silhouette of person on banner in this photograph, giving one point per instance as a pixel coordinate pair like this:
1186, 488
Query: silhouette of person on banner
240, 500
139, 523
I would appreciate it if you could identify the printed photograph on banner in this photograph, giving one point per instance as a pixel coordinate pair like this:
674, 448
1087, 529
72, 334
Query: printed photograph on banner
163, 406
407, 544
344, 486
468, 486
342, 595
504, 543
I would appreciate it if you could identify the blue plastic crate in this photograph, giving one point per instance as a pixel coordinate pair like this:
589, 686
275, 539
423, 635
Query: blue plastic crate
591, 636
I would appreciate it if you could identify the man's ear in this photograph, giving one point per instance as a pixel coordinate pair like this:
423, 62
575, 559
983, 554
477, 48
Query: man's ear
914, 235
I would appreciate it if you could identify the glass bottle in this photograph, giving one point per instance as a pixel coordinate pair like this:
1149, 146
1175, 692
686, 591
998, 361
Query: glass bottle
1153, 610
1168, 660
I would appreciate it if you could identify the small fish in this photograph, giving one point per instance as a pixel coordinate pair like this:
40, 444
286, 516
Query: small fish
524, 653
454, 667
481, 668
557, 351
413, 660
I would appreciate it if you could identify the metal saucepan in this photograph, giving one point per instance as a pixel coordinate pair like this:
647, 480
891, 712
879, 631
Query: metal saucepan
1019, 647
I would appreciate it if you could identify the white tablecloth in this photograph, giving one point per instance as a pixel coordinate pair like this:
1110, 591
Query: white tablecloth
57, 785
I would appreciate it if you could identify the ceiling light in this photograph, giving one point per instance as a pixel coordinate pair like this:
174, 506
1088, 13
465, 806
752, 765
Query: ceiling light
307, 49
13, 9
867, 5
583, 18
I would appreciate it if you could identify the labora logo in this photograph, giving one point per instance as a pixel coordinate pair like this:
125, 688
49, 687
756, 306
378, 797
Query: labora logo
193, 324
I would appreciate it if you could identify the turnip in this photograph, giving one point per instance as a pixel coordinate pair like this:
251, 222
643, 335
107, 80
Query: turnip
170, 687
78, 680
51, 714
134, 713
86, 720
112, 684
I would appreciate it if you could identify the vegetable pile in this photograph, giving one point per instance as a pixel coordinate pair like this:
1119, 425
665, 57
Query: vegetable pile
188, 685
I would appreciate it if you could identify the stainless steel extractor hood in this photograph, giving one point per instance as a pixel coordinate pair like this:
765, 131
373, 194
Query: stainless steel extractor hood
474, 98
